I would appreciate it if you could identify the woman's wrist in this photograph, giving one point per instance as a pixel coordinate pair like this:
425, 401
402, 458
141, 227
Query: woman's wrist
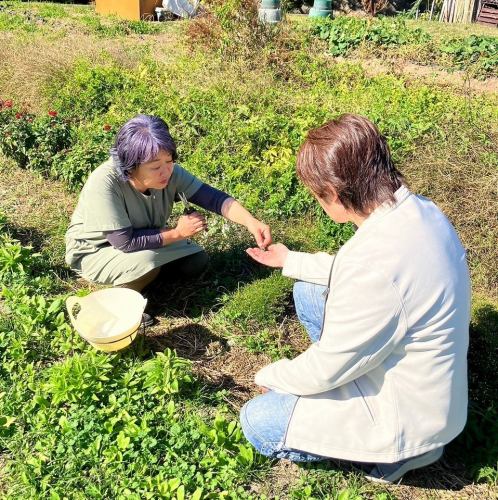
170, 235
251, 221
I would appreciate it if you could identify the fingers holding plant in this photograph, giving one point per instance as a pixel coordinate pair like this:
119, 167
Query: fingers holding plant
191, 224
261, 233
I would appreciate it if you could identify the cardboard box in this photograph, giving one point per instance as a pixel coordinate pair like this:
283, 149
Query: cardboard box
134, 10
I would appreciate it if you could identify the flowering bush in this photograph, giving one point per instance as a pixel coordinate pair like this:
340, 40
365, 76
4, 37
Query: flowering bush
52, 135
31, 140
52, 145
16, 129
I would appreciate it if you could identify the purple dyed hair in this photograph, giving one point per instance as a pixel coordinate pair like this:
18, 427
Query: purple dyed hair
138, 141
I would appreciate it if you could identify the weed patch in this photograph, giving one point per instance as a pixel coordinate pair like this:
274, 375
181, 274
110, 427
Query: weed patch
475, 54
126, 420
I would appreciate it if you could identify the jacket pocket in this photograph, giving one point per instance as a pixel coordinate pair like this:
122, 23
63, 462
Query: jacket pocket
364, 402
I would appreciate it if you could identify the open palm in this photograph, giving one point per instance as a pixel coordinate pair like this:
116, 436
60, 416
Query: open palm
274, 256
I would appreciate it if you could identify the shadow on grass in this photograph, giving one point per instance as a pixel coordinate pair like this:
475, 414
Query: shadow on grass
191, 341
227, 270
477, 447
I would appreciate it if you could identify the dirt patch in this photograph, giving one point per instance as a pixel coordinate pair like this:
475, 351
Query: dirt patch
234, 370
216, 362
471, 492
281, 478
431, 75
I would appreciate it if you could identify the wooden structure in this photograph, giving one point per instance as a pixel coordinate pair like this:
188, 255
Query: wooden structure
457, 11
488, 13
134, 10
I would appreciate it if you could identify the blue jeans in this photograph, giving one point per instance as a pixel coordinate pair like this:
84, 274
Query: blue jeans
265, 418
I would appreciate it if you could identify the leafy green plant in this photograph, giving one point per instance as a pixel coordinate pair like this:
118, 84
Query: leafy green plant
347, 33
80, 378
474, 52
166, 373
90, 148
88, 91
52, 135
16, 261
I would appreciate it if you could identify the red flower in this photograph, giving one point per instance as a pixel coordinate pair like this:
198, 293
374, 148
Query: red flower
52, 113
107, 127
18, 116
8, 103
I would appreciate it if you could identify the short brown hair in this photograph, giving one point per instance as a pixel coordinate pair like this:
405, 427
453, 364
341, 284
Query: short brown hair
350, 155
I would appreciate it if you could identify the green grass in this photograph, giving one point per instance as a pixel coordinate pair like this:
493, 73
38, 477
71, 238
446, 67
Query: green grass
152, 423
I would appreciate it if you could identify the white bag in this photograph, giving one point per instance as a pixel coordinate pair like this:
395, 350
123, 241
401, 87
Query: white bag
182, 8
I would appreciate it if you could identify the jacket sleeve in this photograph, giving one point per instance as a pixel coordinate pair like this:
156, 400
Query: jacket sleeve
313, 268
364, 320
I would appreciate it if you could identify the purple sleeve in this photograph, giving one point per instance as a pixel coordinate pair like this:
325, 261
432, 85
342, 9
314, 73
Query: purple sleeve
209, 198
131, 240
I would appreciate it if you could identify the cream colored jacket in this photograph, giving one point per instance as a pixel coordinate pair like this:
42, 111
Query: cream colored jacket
388, 378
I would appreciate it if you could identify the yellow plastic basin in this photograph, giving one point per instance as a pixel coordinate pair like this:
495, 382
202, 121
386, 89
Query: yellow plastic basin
108, 319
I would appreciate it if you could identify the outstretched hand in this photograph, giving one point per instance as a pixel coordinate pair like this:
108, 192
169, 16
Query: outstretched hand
274, 256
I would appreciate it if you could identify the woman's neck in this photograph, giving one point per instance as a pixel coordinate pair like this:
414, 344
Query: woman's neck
357, 219
138, 186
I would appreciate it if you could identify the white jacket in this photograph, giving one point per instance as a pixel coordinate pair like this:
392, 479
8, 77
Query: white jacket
388, 378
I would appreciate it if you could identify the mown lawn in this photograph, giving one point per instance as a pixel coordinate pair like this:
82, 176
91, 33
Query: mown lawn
159, 420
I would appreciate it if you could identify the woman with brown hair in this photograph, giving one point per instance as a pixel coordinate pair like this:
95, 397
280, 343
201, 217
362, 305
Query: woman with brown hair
384, 380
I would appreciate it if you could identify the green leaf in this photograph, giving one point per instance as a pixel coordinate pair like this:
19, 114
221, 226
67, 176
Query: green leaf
123, 441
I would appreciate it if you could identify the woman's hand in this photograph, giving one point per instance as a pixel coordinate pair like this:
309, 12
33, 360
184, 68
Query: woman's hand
274, 256
234, 211
190, 224
261, 233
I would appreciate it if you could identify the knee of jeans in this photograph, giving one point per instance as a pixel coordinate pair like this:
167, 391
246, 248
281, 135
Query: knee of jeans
248, 429
256, 429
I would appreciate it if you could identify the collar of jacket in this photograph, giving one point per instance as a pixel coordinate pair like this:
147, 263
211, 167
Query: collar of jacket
399, 197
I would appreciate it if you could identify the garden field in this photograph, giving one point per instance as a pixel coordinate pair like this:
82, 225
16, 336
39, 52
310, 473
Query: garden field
160, 419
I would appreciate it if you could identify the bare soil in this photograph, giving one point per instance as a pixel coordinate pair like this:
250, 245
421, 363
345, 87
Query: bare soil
456, 81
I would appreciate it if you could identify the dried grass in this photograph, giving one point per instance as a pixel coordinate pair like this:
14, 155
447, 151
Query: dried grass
467, 192
28, 66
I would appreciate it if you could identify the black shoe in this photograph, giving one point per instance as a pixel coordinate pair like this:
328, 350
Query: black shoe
147, 319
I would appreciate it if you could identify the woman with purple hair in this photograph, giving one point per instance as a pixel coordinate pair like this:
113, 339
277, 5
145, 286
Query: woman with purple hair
119, 233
